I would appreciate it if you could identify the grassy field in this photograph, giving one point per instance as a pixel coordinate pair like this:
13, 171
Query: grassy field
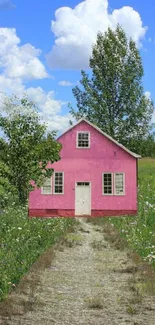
139, 231
23, 240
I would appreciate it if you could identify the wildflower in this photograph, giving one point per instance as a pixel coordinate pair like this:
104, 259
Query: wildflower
150, 257
19, 228
133, 223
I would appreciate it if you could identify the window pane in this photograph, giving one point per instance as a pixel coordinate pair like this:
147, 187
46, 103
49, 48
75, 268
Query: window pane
83, 183
58, 189
58, 182
105, 190
119, 183
83, 140
107, 183
46, 189
47, 182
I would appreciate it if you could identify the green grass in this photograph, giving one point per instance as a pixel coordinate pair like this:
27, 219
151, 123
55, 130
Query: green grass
22, 241
139, 231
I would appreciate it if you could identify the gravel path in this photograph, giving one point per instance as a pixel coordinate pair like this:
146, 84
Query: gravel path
85, 284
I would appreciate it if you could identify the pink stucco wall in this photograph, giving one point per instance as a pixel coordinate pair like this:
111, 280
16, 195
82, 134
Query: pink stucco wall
81, 165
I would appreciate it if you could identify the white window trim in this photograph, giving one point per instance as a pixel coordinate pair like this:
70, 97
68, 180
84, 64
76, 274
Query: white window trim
58, 171
107, 194
78, 137
46, 193
121, 194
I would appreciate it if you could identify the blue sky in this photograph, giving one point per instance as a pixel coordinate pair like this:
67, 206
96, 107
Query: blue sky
45, 61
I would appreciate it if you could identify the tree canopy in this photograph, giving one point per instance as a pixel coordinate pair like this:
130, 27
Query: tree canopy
27, 147
112, 94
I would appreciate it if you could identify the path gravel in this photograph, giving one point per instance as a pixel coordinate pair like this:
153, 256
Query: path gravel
84, 285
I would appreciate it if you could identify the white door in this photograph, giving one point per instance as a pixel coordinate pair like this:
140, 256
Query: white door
82, 199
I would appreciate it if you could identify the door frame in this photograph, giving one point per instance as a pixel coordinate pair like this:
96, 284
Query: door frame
89, 195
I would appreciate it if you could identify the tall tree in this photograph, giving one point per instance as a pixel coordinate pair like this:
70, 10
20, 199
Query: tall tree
28, 148
112, 96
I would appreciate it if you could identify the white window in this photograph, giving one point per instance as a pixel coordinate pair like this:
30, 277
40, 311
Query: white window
107, 184
119, 180
83, 139
47, 187
58, 183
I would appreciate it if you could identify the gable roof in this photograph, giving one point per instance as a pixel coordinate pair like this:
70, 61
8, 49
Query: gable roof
103, 133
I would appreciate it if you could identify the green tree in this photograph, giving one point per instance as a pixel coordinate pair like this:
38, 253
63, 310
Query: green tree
28, 147
112, 96
146, 147
8, 193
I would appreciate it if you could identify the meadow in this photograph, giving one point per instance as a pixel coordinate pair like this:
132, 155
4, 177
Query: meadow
22, 241
139, 231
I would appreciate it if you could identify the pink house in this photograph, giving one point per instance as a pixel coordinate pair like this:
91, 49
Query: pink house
96, 176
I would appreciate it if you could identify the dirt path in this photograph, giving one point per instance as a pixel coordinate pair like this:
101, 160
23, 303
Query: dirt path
88, 282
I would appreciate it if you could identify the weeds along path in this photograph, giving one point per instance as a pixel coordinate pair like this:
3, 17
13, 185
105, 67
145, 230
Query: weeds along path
87, 282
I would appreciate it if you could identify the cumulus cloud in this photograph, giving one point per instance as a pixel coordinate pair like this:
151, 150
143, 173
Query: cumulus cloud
11, 86
65, 83
50, 108
19, 64
19, 61
6, 4
76, 30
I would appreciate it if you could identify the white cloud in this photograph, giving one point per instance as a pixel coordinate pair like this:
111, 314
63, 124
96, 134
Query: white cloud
46, 101
76, 30
11, 86
65, 83
148, 94
19, 61
50, 108
6, 4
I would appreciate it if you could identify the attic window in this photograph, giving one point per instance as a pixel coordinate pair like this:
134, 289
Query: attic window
83, 140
